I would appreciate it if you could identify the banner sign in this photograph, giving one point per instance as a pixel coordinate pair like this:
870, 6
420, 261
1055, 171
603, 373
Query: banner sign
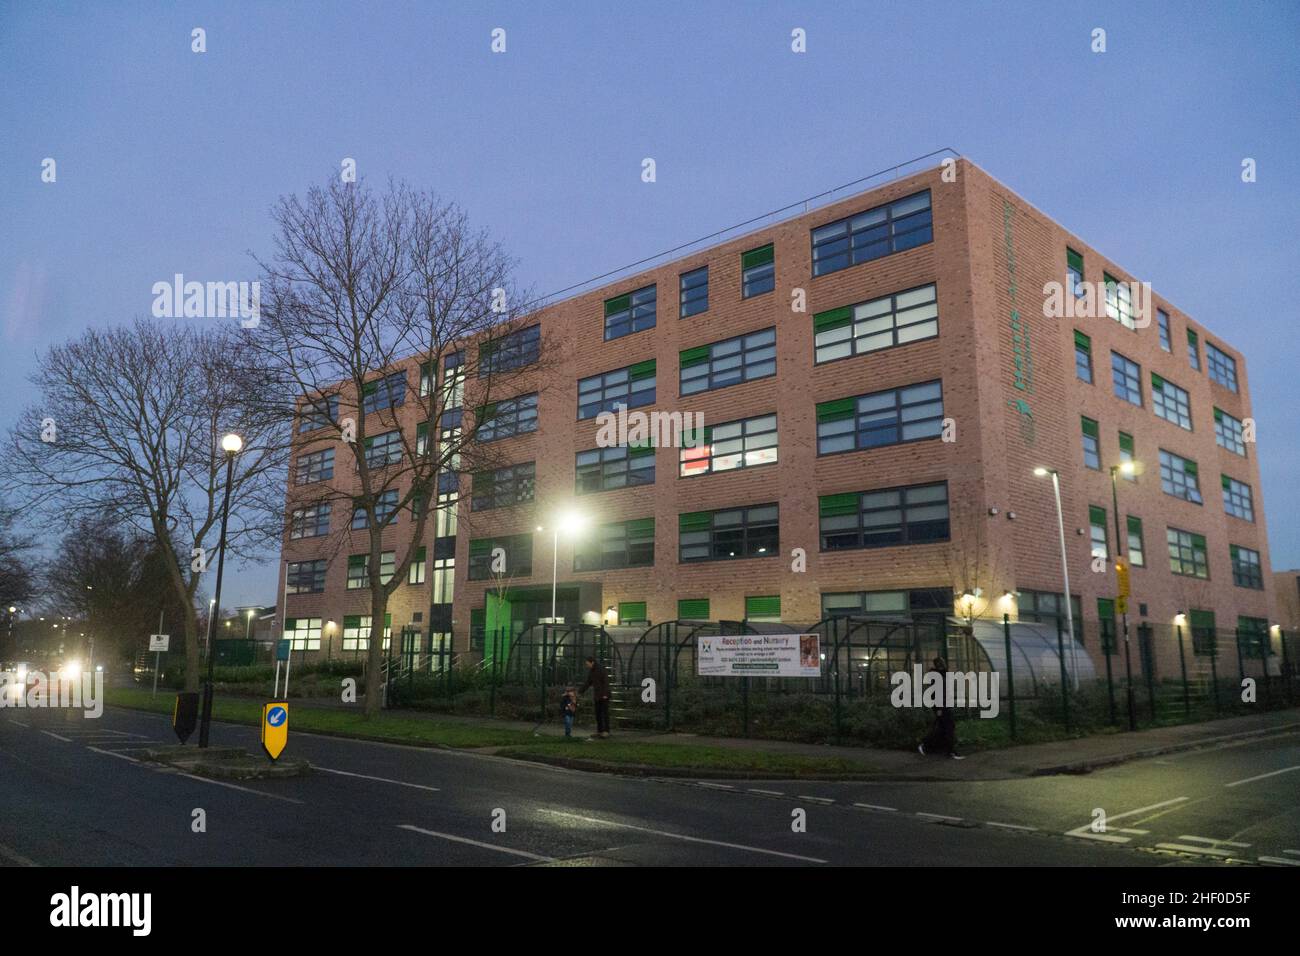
759, 655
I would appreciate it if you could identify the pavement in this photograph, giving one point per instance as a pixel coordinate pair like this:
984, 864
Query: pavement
76, 793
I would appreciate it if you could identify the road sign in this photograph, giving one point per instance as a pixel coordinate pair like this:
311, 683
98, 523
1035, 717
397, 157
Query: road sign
1121, 604
158, 642
1121, 574
282, 650
185, 715
275, 727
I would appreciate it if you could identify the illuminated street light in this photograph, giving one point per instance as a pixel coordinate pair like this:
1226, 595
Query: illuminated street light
571, 523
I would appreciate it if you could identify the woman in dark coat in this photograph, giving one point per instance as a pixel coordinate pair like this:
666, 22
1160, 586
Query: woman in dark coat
942, 738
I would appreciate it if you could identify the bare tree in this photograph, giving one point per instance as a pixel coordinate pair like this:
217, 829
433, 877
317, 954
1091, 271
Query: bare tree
17, 573
128, 425
359, 284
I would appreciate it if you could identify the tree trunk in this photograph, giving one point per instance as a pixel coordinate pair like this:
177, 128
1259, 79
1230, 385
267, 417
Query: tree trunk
375, 652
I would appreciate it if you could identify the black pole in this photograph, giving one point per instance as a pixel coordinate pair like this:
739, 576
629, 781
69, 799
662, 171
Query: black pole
206, 722
1128, 664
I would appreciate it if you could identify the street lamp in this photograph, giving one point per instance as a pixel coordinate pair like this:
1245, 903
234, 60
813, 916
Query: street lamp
1127, 468
570, 522
230, 444
1065, 567
248, 627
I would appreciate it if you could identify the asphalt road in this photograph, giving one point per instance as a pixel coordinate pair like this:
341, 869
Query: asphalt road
72, 794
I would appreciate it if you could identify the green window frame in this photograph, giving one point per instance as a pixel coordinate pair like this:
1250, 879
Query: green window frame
632, 611
763, 607
356, 631
693, 609
1127, 453
1126, 378
694, 291
1106, 618
1137, 556
758, 271
876, 324
1170, 402
743, 358
1237, 498
504, 487
1119, 301
1091, 443
618, 466
891, 417
1193, 351
618, 544
1187, 554
415, 573
507, 418
303, 633
1229, 432
631, 312
631, 386
1180, 477
730, 534
745, 443
519, 556
1162, 325
1222, 367
1247, 568
884, 517
1252, 636
1098, 538
1205, 635
879, 231
1082, 357
1074, 271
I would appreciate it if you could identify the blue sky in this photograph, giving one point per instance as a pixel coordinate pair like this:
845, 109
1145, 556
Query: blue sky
168, 160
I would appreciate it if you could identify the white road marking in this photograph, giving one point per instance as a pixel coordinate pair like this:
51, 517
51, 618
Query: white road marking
803, 796
688, 839
1283, 861
875, 806
1195, 839
1085, 832
1186, 848
939, 816
486, 846
50, 733
232, 786
18, 722
1009, 826
1292, 852
715, 786
113, 753
770, 793
1262, 776
365, 776
13, 856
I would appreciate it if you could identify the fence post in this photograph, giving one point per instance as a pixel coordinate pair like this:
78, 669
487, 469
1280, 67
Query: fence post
1107, 648
1148, 644
1065, 686
1011, 676
541, 674
835, 666
670, 665
1286, 668
1241, 661
496, 658
744, 689
1182, 667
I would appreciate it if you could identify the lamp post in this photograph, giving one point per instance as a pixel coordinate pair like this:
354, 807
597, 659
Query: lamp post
248, 628
1127, 468
230, 444
1065, 568
13, 612
570, 522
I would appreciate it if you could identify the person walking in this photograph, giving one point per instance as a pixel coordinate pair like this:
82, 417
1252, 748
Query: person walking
598, 681
569, 709
942, 738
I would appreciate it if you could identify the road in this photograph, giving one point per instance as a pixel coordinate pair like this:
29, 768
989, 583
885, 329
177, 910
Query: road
72, 794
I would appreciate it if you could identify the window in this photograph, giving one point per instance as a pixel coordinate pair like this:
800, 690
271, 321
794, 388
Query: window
869, 235
880, 519
1187, 554
1106, 618
742, 444
1193, 351
1205, 637
1074, 270
915, 603
695, 291
319, 413
511, 351
877, 324
881, 418
385, 449
1252, 636
517, 557
356, 631
619, 466
311, 521
449, 447
757, 272
1178, 477
1044, 607
386, 392
1119, 302
763, 607
693, 609
504, 487
1247, 572
1228, 432
514, 416
634, 312
729, 362
415, 572
752, 532
306, 577
1170, 402
303, 633
1091, 444
444, 581
1097, 532
1237, 500
1083, 357
385, 505
359, 569
632, 386
444, 518
1136, 550
453, 380
622, 544
1127, 378
1222, 367
317, 466
632, 612
1162, 323
1126, 453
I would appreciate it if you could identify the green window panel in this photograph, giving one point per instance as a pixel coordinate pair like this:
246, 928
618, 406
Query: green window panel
695, 521
1202, 619
480, 546
1126, 443
641, 370
695, 356
1090, 428
834, 505
834, 319
1226, 481
640, 526
693, 609
1073, 259
834, 411
1157, 381
641, 449
757, 257
618, 304
767, 605
631, 611
1134, 525
1097, 515
1082, 341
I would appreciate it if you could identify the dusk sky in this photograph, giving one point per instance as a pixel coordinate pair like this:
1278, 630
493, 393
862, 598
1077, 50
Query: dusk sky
168, 160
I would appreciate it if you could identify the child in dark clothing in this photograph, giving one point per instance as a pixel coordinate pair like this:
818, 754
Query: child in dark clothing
569, 708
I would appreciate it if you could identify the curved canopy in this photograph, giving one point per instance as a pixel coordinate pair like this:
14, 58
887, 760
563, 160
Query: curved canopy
1035, 658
